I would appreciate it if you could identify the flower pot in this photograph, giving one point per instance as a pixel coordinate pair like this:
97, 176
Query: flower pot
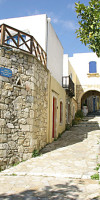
85, 110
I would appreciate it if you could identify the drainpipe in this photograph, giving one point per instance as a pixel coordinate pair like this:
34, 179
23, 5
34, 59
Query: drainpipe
49, 79
47, 37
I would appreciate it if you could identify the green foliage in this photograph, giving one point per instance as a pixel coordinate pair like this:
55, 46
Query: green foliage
89, 22
74, 122
79, 114
67, 127
55, 139
15, 164
95, 177
13, 174
98, 166
59, 136
78, 117
35, 153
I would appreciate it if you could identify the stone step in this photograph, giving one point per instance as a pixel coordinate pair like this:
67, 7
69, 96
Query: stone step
87, 125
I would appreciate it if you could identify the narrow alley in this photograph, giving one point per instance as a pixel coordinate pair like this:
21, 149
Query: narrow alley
63, 171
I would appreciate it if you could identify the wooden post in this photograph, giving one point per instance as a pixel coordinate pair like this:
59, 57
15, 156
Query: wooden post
2, 34
31, 45
18, 40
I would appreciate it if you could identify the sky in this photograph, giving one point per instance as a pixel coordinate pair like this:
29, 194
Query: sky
63, 18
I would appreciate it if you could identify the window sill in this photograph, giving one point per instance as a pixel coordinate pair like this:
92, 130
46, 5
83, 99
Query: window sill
93, 75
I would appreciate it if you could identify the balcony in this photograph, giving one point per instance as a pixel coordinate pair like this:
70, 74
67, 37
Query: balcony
15, 38
68, 84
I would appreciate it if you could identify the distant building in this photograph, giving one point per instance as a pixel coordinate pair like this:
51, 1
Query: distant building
84, 69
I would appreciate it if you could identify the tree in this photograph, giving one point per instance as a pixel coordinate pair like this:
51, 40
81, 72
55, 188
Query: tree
89, 24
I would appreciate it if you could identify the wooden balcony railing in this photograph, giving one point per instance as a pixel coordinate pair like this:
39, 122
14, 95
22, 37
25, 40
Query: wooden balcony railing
68, 84
12, 37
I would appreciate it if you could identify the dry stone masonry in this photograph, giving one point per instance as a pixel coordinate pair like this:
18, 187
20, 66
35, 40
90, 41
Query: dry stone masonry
23, 107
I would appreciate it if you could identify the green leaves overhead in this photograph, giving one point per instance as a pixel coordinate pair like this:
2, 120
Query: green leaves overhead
89, 24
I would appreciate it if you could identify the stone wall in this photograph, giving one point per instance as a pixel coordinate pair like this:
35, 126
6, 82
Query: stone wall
23, 107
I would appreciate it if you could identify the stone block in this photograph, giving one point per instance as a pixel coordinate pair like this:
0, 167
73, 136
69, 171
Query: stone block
10, 125
3, 153
12, 145
21, 60
29, 99
22, 121
7, 115
4, 92
15, 136
30, 59
6, 130
8, 86
20, 149
27, 156
2, 122
30, 121
1, 147
26, 143
31, 114
25, 128
20, 141
3, 106
29, 72
14, 59
3, 138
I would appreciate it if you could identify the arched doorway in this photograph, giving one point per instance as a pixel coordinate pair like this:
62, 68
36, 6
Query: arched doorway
91, 98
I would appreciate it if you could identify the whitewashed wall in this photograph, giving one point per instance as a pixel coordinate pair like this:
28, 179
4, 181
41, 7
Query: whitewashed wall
40, 27
80, 63
55, 55
65, 65
34, 25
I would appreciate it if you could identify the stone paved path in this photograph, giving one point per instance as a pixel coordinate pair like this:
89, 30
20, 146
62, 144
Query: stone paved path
62, 172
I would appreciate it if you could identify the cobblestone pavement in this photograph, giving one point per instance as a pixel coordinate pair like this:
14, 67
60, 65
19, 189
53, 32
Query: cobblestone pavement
62, 172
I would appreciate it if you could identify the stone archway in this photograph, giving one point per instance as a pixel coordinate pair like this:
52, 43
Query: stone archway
83, 91
92, 100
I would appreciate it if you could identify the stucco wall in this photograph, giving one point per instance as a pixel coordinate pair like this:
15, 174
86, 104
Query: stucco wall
55, 90
23, 107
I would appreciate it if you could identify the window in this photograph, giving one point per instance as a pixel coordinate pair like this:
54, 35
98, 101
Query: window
61, 111
92, 67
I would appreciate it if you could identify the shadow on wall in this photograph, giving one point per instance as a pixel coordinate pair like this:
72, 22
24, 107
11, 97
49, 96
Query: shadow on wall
60, 191
75, 135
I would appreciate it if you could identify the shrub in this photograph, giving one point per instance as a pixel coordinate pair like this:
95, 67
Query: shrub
35, 153
68, 126
79, 114
95, 177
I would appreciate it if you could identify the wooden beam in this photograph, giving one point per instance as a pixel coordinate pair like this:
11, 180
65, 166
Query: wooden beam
2, 34
24, 42
11, 37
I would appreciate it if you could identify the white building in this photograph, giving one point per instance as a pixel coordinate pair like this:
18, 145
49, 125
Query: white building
84, 69
39, 26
